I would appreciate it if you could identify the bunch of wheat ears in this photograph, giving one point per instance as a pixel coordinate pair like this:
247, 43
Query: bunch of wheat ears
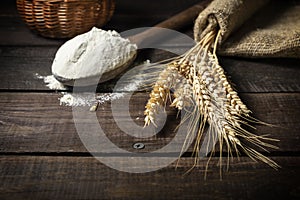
196, 80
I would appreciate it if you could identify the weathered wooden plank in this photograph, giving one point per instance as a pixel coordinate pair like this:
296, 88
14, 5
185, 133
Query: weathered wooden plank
263, 75
25, 177
30, 64
127, 15
130, 7
19, 66
34, 122
15, 33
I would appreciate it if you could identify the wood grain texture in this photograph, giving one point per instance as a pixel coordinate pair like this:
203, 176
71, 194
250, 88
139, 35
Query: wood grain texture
248, 75
29, 177
35, 122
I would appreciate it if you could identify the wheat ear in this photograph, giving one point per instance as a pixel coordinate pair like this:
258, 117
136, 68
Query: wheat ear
160, 93
226, 110
206, 87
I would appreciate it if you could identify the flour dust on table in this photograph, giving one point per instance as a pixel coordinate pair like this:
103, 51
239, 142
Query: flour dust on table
51, 82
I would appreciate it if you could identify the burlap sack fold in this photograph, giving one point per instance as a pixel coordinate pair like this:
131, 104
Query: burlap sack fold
253, 28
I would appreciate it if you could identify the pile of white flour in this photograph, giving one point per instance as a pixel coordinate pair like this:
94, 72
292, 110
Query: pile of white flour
92, 54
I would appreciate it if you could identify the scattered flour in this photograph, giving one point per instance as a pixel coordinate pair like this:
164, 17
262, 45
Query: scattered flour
102, 98
88, 98
130, 87
85, 99
77, 99
51, 82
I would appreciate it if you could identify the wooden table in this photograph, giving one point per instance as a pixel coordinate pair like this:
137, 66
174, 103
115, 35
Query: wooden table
42, 156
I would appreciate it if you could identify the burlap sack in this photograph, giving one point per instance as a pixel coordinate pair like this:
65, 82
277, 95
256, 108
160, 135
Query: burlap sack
253, 28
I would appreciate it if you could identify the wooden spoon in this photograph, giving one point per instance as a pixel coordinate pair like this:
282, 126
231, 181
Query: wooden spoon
175, 22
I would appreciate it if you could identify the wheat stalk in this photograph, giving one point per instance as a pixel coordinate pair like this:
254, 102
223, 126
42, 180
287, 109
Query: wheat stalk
197, 79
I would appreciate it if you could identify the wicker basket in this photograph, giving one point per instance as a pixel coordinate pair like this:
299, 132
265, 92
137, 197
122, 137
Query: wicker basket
65, 18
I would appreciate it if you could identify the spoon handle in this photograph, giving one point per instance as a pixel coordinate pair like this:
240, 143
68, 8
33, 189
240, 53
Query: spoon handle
175, 22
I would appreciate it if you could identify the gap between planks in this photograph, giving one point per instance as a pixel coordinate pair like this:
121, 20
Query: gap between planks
37, 123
